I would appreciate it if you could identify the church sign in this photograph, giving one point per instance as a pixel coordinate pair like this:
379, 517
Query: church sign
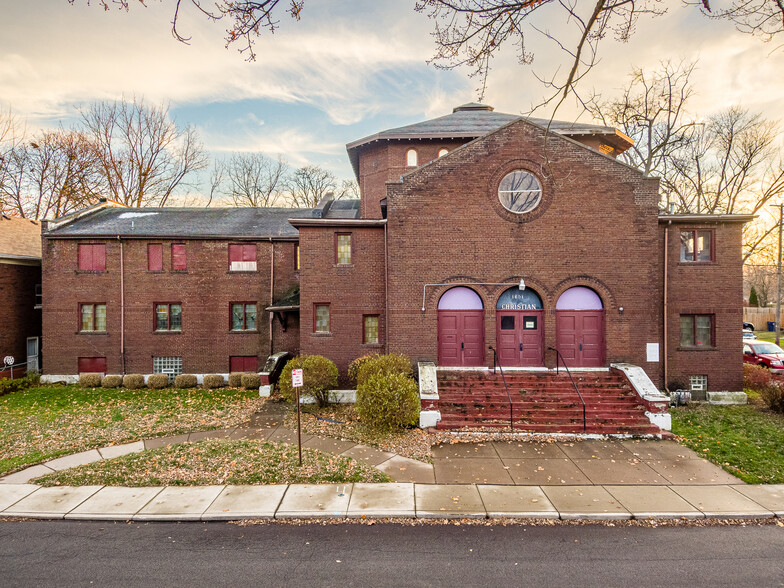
516, 299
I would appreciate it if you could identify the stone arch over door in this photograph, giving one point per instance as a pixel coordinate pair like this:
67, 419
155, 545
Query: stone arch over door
579, 327
519, 317
461, 328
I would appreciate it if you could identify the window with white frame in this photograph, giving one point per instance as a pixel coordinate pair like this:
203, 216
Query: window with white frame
171, 366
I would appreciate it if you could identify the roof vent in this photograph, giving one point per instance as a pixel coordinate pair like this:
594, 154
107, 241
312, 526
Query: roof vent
473, 106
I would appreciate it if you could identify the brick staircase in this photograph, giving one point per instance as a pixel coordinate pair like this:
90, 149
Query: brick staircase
541, 402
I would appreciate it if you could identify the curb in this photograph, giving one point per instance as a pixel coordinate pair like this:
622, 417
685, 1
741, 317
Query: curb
393, 500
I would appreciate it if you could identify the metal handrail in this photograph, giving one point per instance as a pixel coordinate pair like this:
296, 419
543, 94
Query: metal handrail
576, 389
509, 396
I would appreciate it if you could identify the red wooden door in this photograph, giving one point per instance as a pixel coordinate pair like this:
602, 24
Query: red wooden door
91, 365
520, 338
461, 338
580, 337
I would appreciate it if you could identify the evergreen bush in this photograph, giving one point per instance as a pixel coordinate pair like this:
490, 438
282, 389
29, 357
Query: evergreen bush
388, 400
319, 375
392, 363
353, 367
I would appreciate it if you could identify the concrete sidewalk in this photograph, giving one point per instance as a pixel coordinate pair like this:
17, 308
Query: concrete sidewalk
340, 501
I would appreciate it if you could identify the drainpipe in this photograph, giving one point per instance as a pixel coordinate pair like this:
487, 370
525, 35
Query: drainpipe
386, 290
272, 292
122, 305
664, 318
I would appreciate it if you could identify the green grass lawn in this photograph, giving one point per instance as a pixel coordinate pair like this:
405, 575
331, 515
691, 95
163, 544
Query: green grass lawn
217, 461
47, 421
744, 440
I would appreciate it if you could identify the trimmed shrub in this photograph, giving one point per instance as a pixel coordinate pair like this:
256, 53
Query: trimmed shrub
111, 382
390, 364
158, 381
133, 381
250, 381
235, 380
90, 380
388, 401
186, 381
353, 367
319, 376
213, 381
9, 386
755, 377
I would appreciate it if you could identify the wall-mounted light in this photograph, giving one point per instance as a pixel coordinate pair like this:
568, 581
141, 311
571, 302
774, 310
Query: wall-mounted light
620, 310
521, 286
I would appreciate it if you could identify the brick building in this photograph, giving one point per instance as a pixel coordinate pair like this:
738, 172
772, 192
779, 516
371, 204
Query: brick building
20, 287
480, 237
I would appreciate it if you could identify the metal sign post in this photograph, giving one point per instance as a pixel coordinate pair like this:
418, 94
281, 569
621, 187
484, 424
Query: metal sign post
296, 383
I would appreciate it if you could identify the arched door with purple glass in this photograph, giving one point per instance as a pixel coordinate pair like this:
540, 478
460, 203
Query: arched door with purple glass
520, 328
461, 328
579, 327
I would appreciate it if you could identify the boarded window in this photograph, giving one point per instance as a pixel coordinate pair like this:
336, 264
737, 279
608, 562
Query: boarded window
92, 257
155, 257
243, 363
178, 256
242, 258
92, 365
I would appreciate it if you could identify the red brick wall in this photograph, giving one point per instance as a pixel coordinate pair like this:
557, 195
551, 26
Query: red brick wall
597, 227
707, 288
351, 291
205, 292
386, 161
18, 317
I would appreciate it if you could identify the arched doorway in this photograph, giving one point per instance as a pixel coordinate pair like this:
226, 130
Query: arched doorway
579, 327
461, 328
519, 335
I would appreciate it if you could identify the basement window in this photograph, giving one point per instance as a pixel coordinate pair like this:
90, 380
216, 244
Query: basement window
171, 366
698, 383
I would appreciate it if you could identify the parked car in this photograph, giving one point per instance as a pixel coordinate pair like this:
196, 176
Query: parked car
749, 336
748, 326
766, 354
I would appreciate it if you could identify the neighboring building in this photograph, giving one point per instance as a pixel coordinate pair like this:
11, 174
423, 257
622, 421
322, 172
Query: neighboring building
455, 215
20, 289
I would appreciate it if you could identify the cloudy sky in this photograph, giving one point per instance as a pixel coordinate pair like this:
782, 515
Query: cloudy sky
346, 70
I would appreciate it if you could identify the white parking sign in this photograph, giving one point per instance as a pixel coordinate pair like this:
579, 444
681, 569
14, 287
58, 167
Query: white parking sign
296, 378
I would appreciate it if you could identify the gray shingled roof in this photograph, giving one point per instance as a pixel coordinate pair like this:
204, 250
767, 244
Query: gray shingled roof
184, 222
469, 121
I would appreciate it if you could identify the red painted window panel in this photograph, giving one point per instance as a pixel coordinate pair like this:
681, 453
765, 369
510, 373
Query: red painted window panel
155, 257
92, 257
88, 365
244, 363
244, 256
179, 257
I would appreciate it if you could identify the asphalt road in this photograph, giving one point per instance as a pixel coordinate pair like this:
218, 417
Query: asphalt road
64, 553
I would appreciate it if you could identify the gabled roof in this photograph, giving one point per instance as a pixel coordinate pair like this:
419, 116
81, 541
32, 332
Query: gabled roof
195, 223
20, 237
473, 120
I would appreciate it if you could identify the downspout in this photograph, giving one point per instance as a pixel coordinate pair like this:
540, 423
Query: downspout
386, 290
272, 292
122, 305
664, 318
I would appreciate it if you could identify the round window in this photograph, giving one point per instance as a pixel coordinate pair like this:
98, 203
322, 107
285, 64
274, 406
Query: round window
520, 192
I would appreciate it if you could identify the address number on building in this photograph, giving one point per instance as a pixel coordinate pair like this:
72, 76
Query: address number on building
296, 378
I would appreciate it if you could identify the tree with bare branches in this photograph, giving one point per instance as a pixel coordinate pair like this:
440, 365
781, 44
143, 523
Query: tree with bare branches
55, 173
308, 185
144, 156
252, 179
652, 111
